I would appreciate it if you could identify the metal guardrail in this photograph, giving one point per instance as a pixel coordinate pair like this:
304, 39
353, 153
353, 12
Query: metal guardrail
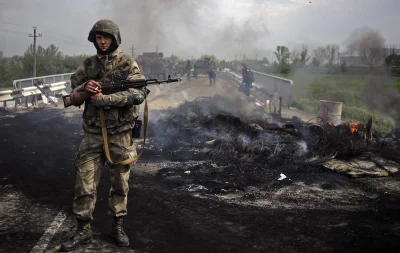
25, 94
270, 99
275, 84
29, 82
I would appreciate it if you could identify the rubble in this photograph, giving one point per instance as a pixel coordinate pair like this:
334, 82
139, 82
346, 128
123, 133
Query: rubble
250, 148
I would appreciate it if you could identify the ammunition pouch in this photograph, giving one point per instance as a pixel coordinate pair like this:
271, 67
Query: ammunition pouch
137, 129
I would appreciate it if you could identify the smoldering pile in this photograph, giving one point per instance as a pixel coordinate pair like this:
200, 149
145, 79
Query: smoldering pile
235, 146
224, 130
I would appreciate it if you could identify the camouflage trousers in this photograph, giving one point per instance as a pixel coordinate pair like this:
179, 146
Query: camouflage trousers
89, 162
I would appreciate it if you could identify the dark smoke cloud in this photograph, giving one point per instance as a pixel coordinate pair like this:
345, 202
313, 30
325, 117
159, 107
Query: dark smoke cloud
187, 28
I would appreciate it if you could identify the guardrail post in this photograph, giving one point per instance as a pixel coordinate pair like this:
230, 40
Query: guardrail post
270, 106
280, 106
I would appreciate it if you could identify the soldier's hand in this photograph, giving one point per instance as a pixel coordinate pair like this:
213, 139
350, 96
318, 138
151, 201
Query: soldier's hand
93, 87
96, 96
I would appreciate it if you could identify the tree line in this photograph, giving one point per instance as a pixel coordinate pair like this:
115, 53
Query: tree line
365, 43
49, 61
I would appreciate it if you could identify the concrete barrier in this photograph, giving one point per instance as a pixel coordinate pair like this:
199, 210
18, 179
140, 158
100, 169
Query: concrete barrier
30, 94
6, 95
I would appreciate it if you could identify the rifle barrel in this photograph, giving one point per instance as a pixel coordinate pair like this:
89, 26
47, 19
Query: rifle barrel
139, 83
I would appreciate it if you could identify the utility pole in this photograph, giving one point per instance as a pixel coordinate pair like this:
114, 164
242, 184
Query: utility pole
34, 49
132, 50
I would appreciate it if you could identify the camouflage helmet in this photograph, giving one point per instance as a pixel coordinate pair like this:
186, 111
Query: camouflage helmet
105, 26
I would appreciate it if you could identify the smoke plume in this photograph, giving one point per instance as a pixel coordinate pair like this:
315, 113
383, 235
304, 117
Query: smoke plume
188, 28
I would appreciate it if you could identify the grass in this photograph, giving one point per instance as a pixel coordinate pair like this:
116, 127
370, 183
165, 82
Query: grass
396, 81
310, 88
6, 88
335, 87
350, 113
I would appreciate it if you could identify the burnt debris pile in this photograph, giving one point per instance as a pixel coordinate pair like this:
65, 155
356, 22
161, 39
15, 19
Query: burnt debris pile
235, 147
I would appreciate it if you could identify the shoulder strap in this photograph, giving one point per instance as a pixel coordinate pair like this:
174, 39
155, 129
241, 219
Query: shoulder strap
105, 137
104, 127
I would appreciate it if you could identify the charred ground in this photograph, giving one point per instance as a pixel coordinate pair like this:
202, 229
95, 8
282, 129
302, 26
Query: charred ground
208, 182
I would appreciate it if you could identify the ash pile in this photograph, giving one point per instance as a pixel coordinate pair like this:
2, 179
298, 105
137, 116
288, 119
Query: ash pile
217, 145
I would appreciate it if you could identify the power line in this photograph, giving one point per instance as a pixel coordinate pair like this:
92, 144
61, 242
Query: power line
10, 31
7, 23
51, 37
69, 42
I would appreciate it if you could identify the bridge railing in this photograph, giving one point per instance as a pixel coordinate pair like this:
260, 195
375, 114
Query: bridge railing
275, 84
30, 82
268, 99
30, 94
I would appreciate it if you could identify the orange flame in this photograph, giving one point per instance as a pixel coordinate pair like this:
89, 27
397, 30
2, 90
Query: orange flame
353, 127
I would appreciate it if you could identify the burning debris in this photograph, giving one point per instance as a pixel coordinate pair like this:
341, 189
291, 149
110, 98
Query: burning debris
238, 148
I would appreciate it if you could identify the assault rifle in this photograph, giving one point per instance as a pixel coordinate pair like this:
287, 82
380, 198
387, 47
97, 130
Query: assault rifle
114, 87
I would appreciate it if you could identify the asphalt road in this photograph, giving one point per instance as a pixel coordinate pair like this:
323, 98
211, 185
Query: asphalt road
37, 182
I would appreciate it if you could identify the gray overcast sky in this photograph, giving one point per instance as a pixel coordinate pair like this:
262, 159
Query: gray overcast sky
192, 27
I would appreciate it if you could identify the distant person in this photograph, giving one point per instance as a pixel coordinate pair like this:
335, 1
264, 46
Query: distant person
212, 71
188, 69
247, 79
170, 68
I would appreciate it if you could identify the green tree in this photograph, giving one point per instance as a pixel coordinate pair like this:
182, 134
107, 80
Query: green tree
282, 55
50, 61
208, 56
174, 59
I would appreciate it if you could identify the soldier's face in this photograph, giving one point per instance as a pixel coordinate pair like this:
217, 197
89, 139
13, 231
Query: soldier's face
103, 41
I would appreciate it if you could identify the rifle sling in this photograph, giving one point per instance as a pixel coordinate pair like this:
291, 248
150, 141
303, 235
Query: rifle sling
104, 128
105, 137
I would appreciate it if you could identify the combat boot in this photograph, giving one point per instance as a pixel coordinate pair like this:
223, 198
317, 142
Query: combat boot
83, 235
118, 234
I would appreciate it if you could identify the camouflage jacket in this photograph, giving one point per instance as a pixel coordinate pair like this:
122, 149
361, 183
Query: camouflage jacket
211, 66
121, 108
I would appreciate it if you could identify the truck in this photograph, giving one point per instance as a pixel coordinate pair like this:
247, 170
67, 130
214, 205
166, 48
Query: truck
200, 67
153, 65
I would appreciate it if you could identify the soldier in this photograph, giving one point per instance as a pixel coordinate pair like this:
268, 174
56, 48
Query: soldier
120, 110
188, 69
212, 71
248, 79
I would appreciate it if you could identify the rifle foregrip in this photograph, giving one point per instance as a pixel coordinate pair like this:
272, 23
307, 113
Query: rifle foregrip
67, 101
75, 98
